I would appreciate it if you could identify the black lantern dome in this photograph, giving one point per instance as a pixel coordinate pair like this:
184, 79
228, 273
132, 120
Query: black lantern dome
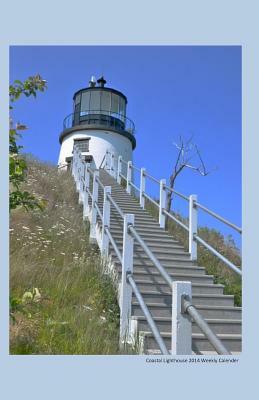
100, 107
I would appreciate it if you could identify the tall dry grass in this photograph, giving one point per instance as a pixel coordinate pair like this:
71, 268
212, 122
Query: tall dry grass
61, 302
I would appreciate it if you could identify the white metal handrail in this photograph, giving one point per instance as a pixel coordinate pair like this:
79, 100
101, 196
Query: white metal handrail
134, 167
176, 220
120, 256
192, 229
148, 315
217, 216
100, 183
123, 176
98, 210
117, 208
114, 245
151, 255
150, 199
80, 171
134, 186
220, 256
177, 193
188, 306
89, 192
152, 178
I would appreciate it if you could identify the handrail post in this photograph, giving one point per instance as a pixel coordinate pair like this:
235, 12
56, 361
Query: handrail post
112, 165
81, 183
119, 169
106, 221
181, 322
106, 160
142, 187
85, 194
125, 287
74, 162
109, 162
129, 177
93, 209
162, 203
78, 164
193, 226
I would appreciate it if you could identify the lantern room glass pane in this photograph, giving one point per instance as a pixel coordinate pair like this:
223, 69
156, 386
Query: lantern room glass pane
85, 101
105, 101
77, 99
115, 104
95, 100
122, 106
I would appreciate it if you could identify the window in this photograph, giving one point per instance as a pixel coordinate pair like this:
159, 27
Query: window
82, 144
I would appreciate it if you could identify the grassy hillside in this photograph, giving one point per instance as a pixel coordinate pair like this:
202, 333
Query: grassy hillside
61, 303
226, 246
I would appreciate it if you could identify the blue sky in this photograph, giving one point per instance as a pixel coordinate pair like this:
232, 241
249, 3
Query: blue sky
171, 91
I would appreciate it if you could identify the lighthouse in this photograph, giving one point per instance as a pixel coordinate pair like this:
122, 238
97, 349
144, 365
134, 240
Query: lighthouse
97, 125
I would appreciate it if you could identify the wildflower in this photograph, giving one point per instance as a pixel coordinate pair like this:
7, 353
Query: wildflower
27, 296
63, 254
36, 294
87, 308
26, 228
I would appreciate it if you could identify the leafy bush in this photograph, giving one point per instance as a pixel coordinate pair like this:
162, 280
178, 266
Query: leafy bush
17, 164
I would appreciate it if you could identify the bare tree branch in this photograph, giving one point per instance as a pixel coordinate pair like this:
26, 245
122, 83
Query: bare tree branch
187, 151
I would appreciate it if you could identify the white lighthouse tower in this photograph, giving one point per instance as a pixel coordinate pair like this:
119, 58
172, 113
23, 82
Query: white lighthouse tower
98, 124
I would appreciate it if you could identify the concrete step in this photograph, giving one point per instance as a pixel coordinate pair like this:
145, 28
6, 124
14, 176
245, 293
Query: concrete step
146, 233
197, 299
121, 201
148, 289
166, 263
154, 246
163, 240
181, 257
178, 269
200, 343
156, 278
138, 224
207, 311
157, 250
218, 309
218, 326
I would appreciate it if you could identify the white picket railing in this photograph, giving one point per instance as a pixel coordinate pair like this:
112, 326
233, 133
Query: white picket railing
181, 291
192, 227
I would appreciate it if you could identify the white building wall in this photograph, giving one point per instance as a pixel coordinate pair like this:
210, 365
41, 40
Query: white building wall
100, 141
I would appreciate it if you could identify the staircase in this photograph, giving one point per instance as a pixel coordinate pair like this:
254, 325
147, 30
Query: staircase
217, 309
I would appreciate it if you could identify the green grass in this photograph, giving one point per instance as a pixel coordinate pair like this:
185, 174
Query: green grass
73, 309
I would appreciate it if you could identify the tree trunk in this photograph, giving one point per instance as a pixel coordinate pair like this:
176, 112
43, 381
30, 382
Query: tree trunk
169, 199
